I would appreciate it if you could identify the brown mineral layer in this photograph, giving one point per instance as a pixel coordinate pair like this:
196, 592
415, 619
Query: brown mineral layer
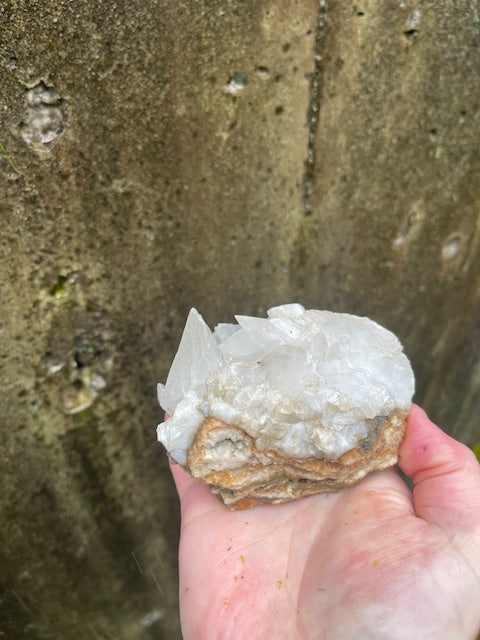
226, 457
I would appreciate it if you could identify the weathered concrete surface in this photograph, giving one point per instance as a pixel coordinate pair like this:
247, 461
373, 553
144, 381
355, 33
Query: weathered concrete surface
394, 230
230, 156
142, 184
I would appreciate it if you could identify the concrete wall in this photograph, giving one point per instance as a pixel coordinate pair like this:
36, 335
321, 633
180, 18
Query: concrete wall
230, 156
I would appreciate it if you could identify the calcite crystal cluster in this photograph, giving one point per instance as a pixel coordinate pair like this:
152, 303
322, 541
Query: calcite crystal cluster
273, 409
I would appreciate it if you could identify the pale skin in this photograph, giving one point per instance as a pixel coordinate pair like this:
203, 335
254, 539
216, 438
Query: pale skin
373, 562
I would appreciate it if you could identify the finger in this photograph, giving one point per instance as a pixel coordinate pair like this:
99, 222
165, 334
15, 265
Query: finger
190, 491
445, 474
183, 480
195, 496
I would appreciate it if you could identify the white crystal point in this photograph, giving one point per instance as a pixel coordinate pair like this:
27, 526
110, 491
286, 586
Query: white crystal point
298, 384
178, 432
197, 354
291, 310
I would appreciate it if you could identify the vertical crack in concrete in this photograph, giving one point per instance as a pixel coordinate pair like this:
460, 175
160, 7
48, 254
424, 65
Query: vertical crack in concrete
313, 111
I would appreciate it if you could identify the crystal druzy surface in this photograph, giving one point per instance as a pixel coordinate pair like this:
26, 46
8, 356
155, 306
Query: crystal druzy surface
274, 408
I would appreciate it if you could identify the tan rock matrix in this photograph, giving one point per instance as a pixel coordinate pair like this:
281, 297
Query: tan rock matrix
273, 409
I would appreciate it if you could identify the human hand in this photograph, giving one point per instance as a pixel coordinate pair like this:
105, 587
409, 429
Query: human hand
374, 561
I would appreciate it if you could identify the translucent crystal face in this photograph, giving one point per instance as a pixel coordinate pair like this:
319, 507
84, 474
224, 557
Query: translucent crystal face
303, 383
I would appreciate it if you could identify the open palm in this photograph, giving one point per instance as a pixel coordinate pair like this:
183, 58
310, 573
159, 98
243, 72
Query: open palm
375, 561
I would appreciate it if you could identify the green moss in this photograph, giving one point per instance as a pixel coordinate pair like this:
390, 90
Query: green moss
59, 289
476, 450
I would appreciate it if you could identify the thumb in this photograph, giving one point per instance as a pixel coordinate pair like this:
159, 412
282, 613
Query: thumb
445, 474
195, 497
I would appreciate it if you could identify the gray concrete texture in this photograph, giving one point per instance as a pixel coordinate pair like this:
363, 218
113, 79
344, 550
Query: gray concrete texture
226, 155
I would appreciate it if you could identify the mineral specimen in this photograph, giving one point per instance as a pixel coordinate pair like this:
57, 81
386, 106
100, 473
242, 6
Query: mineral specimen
273, 409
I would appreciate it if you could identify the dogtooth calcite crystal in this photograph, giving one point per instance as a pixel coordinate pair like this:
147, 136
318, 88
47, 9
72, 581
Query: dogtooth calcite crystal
273, 409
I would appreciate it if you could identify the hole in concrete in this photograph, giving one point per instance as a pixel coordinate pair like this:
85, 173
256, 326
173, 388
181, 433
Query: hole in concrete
77, 356
412, 24
263, 72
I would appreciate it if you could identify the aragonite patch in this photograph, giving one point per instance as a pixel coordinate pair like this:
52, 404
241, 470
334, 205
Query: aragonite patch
273, 409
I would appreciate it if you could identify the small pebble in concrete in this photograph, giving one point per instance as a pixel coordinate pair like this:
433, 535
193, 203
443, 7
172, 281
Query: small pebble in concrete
451, 246
237, 83
46, 117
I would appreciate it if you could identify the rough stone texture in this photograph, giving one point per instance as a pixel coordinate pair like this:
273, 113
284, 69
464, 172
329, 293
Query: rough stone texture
273, 477
343, 174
